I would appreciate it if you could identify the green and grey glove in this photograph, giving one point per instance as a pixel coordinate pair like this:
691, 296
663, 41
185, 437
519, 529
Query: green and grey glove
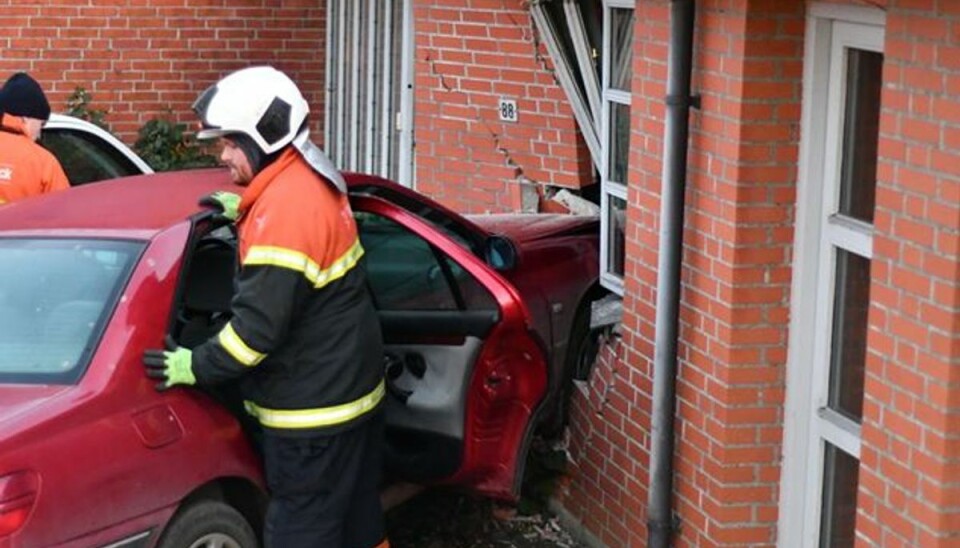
227, 203
173, 366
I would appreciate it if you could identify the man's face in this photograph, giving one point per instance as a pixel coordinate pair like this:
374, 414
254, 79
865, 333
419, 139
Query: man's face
233, 157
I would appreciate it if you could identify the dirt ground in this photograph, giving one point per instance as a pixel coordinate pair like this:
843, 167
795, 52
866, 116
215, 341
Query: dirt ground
439, 518
442, 518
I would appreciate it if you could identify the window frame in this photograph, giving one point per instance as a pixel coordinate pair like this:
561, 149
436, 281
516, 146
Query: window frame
820, 232
609, 188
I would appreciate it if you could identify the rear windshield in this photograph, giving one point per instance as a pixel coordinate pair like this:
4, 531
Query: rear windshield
55, 298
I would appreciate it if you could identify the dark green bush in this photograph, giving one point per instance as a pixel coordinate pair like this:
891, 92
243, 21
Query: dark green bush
78, 106
166, 146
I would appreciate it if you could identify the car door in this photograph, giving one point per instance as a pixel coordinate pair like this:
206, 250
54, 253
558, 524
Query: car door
465, 374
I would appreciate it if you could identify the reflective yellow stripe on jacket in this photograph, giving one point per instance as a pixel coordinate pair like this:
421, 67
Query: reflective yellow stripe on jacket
234, 345
295, 260
321, 416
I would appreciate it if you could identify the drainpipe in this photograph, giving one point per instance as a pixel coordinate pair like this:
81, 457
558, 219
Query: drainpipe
660, 524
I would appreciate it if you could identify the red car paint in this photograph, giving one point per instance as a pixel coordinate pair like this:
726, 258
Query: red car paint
109, 457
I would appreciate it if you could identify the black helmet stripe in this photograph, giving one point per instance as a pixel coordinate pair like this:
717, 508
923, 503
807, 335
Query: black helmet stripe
275, 122
201, 104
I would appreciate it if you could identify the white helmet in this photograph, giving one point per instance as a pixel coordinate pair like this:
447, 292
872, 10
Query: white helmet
260, 102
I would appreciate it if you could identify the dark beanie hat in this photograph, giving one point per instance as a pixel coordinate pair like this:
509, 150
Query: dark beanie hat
21, 95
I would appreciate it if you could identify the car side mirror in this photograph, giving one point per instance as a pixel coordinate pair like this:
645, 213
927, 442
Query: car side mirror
500, 253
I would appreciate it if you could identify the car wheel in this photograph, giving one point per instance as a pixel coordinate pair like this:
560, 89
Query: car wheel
581, 354
208, 524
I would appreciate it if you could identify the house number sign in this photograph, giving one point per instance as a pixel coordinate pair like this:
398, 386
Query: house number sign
508, 110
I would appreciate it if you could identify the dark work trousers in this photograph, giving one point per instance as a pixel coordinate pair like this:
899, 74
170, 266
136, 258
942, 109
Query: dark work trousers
325, 490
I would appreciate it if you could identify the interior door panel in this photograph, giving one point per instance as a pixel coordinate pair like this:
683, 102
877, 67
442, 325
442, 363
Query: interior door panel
464, 373
430, 398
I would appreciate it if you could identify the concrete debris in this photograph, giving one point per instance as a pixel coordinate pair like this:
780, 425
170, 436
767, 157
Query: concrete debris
576, 204
606, 311
529, 195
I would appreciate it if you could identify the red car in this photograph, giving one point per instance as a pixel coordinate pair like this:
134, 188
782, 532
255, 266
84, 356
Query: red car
484, 322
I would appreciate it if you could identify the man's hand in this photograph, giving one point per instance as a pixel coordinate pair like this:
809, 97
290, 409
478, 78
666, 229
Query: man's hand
227, 203
173, 365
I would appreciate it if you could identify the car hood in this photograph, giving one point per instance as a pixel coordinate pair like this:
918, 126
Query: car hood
524, 227
21, 400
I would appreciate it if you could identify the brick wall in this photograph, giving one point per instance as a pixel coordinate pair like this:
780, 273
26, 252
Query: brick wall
736, 280
469, 54
910, 457
142, 59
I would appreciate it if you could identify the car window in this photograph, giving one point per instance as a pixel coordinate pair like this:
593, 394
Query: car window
85, 157
55, 297
406, 273
207, 287
441, 221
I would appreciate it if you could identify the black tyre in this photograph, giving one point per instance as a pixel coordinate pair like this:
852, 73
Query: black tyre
208, 524
581, 353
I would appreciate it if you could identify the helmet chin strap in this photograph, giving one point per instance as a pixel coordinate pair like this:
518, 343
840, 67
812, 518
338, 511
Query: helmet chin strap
318, 160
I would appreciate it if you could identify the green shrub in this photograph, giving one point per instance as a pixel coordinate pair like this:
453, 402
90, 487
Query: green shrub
78, 106
166, 146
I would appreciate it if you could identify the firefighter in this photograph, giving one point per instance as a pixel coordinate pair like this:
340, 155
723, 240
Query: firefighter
304, 334
26, 168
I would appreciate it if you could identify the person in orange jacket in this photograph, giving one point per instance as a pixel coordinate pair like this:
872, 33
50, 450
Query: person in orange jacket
26, 168
304, 337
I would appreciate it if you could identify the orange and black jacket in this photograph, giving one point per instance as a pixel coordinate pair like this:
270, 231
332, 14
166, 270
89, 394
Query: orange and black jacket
304, 332
26, 168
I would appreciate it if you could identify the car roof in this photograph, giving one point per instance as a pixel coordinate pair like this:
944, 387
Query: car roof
140, 206
136, 207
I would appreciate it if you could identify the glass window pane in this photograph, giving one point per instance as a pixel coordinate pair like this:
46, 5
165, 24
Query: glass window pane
402, 268
619, 143
55, 303
430, 214
474, 294
858, 178
86, 158
616, 225
621, 48
839, 510
848, 348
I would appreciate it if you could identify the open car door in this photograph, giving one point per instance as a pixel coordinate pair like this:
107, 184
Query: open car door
465, 374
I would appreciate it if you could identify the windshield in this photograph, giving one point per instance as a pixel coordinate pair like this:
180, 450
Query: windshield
55, 298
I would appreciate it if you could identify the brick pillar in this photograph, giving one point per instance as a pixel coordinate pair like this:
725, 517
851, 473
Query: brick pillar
910, 458
736, 284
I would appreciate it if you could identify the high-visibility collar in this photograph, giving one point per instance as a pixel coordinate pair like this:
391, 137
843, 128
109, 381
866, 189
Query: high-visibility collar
320, 416
263, 179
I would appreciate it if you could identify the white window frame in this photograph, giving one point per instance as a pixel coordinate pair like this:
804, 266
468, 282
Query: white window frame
610, 189
809, 423
584, 108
